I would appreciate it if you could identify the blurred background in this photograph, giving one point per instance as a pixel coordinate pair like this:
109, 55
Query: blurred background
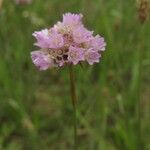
113, 96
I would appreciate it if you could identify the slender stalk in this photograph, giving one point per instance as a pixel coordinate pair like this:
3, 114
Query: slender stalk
74, 101
140, 57
140, 146
139, 105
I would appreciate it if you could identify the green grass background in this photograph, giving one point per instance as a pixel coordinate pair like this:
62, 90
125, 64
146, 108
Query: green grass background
113, 96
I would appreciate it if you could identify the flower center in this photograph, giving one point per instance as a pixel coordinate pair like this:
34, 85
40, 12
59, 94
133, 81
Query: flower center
60, 52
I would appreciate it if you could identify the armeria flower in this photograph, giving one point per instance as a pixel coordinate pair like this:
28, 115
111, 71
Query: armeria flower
41, 60
92, 56
81, 35
55, 40
72, 21
75, 55
98, 43
65, 43
42, 38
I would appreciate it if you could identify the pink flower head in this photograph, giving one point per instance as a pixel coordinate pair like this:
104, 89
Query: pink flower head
81, 35
72, 20
67, 42
92, 56
41, 60
75, 55
98, 43
42, 38
55, 40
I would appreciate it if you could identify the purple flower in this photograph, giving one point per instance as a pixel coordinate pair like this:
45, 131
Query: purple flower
92, 56
98, 43
55, 40
72, 20
67, 42
75, 55
81, 35
41, 60
42, 38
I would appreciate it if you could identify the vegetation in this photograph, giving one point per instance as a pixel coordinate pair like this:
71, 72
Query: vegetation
113, 96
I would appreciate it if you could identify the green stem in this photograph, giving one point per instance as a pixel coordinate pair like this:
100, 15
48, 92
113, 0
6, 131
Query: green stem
74, 101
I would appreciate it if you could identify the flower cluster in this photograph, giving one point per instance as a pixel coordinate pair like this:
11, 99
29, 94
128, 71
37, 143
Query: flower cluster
65, 43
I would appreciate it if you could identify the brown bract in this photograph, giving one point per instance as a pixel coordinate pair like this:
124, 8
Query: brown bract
1, 2
143, 10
